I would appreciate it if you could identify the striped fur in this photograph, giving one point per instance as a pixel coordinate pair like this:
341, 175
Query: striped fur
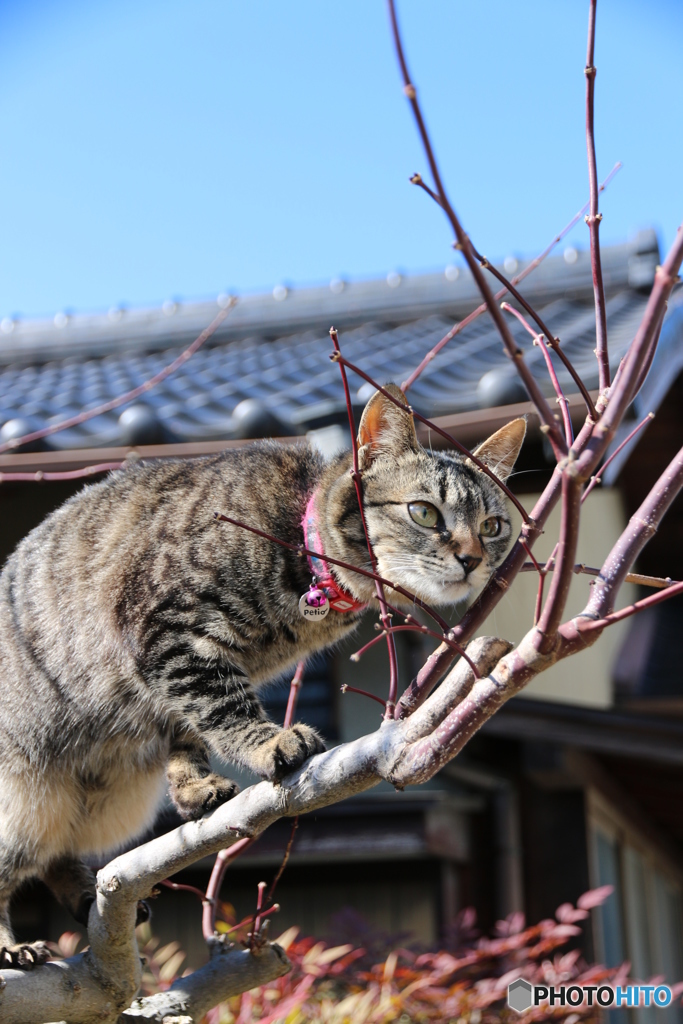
135, 632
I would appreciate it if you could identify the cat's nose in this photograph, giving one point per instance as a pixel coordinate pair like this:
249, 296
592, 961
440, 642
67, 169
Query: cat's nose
468, 562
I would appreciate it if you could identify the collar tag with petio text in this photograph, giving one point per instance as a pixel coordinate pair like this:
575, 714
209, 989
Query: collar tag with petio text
314, 605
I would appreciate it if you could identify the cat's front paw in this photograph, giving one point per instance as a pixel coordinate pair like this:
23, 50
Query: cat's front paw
24, 955
197, 797
287, 751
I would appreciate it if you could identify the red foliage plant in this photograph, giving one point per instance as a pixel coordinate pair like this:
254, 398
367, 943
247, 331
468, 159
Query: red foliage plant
467, 983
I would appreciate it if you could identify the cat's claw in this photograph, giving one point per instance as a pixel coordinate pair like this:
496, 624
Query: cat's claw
198, 797
24, 955
144, 912
287, 751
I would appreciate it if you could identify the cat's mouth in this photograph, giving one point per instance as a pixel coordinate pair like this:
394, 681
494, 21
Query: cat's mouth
437, 590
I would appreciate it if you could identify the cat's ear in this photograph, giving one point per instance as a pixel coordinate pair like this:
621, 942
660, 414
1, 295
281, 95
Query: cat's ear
501, 449
384, 428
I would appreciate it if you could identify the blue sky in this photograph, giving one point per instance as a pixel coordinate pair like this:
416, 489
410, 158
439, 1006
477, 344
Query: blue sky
165, 148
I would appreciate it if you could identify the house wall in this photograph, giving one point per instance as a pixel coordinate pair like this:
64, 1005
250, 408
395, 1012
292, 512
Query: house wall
585, 678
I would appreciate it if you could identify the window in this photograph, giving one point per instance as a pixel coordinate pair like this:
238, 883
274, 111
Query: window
641, 920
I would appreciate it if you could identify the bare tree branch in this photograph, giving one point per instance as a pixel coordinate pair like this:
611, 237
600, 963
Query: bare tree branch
641, 528
517, 279
594, 217
463, 242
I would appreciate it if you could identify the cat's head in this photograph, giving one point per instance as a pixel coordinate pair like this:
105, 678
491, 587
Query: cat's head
439, 525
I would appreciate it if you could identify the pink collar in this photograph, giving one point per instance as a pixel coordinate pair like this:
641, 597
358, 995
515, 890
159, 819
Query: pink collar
341, 600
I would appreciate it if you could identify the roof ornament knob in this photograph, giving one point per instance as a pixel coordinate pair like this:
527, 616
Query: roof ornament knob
253, 419
139, 424
500, 386
18, 427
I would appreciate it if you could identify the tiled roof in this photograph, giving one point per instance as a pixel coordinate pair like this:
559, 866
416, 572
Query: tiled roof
274, 348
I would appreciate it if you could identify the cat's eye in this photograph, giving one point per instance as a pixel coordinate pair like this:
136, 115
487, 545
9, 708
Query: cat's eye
424, 514
490, 527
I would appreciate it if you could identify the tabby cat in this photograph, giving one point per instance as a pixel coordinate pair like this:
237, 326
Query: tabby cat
135, 630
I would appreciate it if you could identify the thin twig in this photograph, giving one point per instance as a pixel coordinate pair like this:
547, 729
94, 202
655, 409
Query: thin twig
294, 688
129, 396
336, 357
438, 663
588, 625
642, 526
356, 475
551, 616
364, 693
256, 926
509, 287
414, 628
595, 479
223, 859
226, 857
561, 397
640, 350
179, 887
538, 607
285, 859
594, 217
300, 549
41, 476
250, 918
657, 582
463, 242
541, 580
539, 569
530, 267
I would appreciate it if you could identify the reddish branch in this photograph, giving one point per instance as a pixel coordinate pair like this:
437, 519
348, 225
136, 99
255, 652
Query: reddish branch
463, 243
658, 582
225, 857
561, 397
294, 688
508, 286
285, 859
595, 479
551, 616
74, 474
345, 688
301, 550
647, 361
338, 357
622, 391
530, 267
589, 626
440, 661
576, 470
641, 528
357, 482
594, 217
412, 627
590, 445
129, 396
180, 887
